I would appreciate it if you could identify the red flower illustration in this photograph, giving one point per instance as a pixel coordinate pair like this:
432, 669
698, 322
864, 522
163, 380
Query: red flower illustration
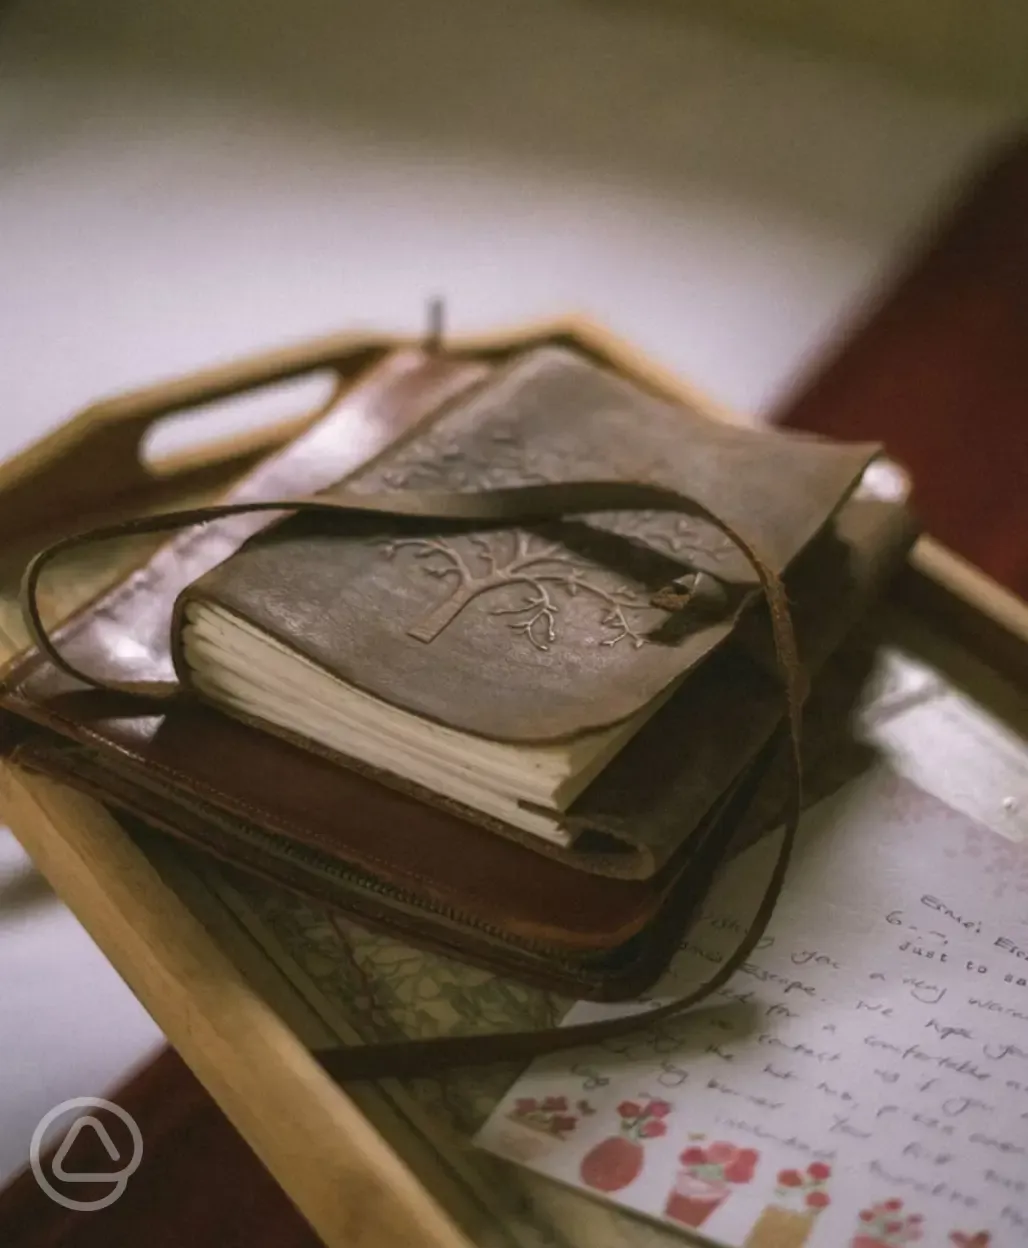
720, 1162
884, 1225
643, 1120
549, 1116
616, 1162
803, 1191
706, 1179
741, 1167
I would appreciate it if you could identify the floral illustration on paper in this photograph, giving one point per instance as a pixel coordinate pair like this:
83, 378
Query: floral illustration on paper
970, 1239
800, 1196
885, 1225
706, 1178
617, 1161
551, 1115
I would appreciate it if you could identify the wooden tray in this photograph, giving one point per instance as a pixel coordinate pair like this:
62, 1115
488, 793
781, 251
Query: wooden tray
350, 1162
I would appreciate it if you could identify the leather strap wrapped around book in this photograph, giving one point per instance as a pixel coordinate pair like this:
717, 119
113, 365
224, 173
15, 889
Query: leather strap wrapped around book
503, 507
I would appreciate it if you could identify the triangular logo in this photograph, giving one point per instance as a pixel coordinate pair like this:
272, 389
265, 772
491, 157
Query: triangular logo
74, 1131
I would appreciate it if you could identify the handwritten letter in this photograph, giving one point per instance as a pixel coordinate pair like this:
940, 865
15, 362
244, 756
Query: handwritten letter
862, 1082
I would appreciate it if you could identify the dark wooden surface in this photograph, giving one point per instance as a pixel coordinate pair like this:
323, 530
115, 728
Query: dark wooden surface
939, 372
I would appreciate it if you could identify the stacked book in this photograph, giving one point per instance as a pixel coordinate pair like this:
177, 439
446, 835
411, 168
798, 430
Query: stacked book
499, 739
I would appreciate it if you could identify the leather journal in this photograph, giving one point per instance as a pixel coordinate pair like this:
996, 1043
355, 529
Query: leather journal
518, 710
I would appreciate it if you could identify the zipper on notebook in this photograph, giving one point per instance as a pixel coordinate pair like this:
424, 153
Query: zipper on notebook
313, 860
310, 859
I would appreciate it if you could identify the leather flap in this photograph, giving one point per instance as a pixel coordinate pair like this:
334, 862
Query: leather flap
539, 635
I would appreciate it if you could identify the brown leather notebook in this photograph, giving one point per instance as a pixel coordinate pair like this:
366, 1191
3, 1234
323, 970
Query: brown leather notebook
597, 916
500, 670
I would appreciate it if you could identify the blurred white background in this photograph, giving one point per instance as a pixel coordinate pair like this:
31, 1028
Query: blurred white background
187, 181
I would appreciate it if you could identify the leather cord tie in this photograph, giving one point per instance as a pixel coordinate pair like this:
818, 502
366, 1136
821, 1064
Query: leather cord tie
504, 507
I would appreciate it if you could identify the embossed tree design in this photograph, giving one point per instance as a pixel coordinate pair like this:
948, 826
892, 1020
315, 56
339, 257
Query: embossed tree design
549, 571
545, 568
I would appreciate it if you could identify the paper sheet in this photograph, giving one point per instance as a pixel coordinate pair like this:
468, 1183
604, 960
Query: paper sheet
863, 1082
